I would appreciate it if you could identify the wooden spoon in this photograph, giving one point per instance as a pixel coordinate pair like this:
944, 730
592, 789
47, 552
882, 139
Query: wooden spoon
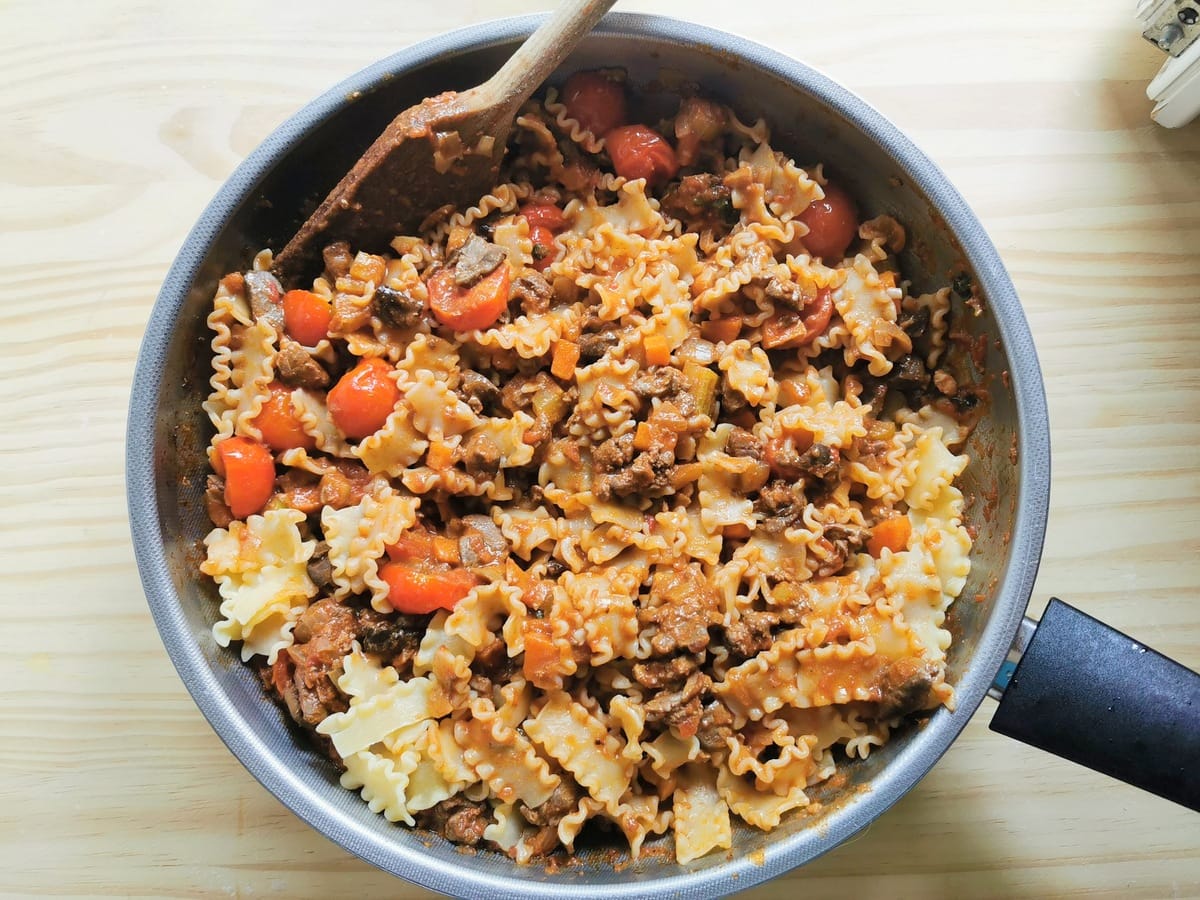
446, 150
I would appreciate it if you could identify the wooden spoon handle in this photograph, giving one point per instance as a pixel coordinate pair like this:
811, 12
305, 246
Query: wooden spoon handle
543, 51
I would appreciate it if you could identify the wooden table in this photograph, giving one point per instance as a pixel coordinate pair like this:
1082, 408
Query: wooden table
120, 120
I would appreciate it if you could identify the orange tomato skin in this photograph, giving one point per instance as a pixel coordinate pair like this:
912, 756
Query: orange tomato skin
363, 398
469, 308
545, 214
832, 224
306, 317
787, 329
249, 472
641, 152
594, 101
417, 588
281, 429
544, 250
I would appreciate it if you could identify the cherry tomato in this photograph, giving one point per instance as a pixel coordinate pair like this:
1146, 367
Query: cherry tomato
832, 224
791, 329
249, 472
363, 398
281, 429
595, 102
468, 308
417, 588
544, 250
306, 317
545, 214
641, 152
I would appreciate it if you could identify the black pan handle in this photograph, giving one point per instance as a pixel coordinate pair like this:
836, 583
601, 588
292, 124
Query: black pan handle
1088, 693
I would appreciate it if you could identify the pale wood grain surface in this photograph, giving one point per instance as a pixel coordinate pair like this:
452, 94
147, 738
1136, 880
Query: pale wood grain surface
119, 120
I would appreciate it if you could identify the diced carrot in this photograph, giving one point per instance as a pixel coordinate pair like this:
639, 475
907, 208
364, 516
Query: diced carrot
542, 658
723, 330
658, 352
445, 550
642, 438
891, 533
566, 355
439, 456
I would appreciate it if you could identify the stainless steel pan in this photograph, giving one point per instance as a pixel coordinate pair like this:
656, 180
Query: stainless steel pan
1007, 482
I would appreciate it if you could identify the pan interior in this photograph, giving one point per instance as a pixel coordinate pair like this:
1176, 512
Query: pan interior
813, 120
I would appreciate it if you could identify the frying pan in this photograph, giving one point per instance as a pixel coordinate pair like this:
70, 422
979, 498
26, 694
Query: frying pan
1070, 684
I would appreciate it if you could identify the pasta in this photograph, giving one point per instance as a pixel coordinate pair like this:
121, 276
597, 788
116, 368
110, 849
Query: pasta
624, 498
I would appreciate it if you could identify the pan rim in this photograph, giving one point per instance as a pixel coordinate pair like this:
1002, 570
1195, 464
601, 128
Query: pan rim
403, 856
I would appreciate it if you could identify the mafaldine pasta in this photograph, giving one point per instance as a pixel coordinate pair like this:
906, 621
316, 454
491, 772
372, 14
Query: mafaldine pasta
622, 500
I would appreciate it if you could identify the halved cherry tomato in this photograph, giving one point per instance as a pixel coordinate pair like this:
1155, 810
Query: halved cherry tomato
544, 250
468, 308
832, 224
280, 427
306, 317
595, 102
363, 398
787, 328
249, 472
545, 214
641, 152
417, 588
